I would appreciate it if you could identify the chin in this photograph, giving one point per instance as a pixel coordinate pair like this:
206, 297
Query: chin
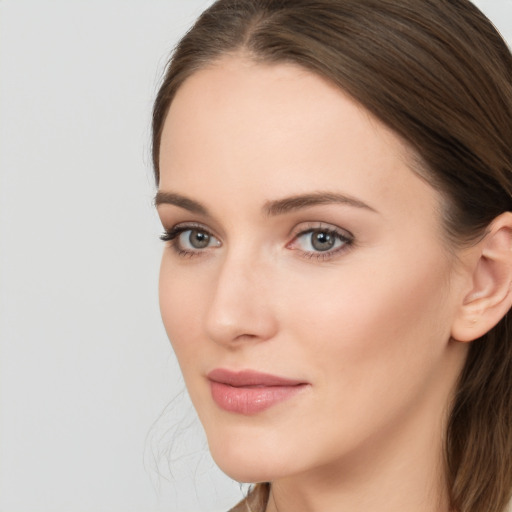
249, 461
249, 472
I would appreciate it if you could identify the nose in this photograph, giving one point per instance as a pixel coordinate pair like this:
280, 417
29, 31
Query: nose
241, 308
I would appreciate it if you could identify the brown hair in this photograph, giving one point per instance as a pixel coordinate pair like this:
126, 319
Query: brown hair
438, 73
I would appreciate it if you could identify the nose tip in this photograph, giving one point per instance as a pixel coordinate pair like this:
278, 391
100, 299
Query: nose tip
225, 329
240, 309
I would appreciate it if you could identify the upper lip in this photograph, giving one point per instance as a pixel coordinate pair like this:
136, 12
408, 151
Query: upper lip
246, 378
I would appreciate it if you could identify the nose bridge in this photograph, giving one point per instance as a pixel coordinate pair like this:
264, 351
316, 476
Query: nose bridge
240, 307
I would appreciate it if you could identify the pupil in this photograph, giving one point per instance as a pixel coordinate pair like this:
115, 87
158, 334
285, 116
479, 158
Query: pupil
199, 239
322, 241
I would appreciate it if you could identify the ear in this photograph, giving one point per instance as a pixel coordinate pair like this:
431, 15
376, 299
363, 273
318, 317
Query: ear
490, 282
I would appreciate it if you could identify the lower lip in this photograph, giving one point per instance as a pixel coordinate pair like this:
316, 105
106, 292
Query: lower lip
252, 399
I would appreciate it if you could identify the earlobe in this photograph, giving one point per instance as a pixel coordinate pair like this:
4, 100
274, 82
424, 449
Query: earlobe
490, 295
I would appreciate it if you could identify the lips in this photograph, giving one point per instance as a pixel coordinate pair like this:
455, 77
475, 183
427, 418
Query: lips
249, 392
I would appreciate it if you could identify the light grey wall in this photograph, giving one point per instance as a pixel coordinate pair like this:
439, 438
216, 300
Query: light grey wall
85, 366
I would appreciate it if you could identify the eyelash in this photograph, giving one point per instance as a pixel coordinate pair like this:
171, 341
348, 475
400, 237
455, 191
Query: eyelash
171, 236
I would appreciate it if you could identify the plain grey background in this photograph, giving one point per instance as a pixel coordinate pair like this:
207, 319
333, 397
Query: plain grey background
91, 401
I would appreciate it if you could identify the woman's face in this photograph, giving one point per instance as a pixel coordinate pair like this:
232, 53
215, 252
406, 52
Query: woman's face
306, 287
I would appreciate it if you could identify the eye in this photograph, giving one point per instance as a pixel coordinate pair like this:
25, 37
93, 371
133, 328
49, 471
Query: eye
321, 242
190, 240
194, 239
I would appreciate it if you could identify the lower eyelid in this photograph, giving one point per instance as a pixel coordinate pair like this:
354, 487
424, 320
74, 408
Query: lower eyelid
325, 255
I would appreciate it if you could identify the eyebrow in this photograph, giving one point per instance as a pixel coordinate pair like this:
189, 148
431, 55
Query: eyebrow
271, 208
298, 202
180, 201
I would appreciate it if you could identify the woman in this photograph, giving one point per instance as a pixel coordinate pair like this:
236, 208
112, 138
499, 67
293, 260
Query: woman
335, 183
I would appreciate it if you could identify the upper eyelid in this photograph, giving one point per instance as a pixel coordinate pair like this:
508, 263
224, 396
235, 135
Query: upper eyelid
318, 226
346, 237
184, 226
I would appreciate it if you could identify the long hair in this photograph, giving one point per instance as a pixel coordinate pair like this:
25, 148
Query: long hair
439, 74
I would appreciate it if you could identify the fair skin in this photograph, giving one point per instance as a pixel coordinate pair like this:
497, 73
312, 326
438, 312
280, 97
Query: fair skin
365, 319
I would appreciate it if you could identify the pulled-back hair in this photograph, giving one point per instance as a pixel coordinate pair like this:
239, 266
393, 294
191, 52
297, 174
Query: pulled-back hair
439, 74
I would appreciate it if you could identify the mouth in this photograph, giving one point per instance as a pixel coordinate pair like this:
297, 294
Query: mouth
249, 392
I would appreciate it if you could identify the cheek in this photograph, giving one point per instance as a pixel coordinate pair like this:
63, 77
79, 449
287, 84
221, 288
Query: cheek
180, 308
367, 326
374, 346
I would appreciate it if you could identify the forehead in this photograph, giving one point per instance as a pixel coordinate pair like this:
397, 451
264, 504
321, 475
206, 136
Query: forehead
254, 130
